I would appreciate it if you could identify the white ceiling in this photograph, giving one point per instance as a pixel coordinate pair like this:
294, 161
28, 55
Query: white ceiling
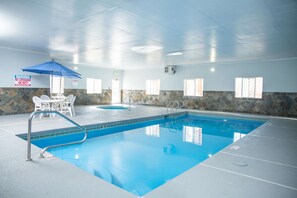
101, 33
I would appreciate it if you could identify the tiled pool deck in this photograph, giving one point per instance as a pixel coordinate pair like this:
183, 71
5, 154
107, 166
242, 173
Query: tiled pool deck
262, 164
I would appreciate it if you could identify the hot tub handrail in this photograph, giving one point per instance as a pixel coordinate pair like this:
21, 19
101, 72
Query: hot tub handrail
43, 150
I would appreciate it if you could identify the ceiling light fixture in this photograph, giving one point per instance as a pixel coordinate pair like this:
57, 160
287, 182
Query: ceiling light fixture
146, 49
7, 26
212, 69
175, 54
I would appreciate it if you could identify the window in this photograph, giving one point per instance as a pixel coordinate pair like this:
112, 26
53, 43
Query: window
94, 86
249, 87
193, 87
153, 87
57, 84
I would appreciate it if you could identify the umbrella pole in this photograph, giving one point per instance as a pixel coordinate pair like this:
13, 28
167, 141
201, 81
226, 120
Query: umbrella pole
60, 85
51, 85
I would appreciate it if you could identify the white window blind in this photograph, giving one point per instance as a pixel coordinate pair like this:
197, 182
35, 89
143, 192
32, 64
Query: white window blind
238, 87
57, 84
193, 87
153, 87
259, 88
249, 87
94, 86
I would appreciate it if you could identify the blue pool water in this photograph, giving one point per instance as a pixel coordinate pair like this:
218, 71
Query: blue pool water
148, 154
113, 107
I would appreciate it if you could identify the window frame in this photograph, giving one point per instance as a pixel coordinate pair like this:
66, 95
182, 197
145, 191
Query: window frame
57, 85
92, 87
249, 87
150, 88
196, 91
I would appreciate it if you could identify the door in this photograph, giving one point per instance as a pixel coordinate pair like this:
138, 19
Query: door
116, 91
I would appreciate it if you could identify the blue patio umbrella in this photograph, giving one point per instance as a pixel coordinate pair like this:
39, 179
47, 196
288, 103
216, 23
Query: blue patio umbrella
52, 68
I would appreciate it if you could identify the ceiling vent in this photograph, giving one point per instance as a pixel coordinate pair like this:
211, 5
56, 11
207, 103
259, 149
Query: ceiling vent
170, 69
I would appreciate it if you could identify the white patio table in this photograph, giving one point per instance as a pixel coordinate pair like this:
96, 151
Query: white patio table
55, 105
59, 97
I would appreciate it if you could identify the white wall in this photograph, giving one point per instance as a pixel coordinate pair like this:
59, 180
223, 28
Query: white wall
11, 62
106, 76
279, 76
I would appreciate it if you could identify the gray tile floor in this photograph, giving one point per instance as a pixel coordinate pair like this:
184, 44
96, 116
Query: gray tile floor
262, 164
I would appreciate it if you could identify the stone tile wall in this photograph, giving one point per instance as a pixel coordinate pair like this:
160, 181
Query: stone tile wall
276, 104
82, 98
19, 100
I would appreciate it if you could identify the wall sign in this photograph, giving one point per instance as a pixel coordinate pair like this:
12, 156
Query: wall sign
74, 83
22, 80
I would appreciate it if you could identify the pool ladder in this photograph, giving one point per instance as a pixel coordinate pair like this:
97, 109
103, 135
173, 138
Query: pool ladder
174, 105
48, 147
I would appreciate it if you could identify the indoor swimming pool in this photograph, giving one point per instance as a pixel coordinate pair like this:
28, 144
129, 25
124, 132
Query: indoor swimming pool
140, 157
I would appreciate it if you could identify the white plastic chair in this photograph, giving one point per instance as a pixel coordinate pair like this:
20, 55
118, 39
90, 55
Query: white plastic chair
45, 97
45, 104
38, 105
67, 105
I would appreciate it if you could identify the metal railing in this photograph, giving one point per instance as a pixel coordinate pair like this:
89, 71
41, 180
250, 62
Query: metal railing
174, 105
129, 102
48, 147
181, 104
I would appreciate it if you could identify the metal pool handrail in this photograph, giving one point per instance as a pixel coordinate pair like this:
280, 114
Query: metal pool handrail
43, 150
175, 104
181, 104
171, 105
